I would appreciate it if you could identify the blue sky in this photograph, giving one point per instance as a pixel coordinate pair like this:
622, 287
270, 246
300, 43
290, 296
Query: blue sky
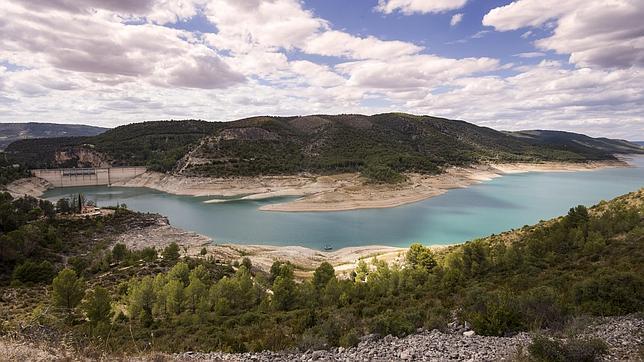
525, 64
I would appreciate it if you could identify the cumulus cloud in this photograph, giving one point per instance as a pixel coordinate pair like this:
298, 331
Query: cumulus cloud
341, 44
79, 6
456, 18
413, 71
97, 46
409, 7
113, 62
595, 33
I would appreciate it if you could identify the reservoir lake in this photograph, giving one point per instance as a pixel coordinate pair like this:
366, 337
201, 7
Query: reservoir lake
459, 215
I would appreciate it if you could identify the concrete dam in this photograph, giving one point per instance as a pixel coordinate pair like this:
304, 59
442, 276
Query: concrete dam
69, 177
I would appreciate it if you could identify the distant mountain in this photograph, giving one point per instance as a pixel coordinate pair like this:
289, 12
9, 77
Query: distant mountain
10, 132
381, 145
641, 143
578, 143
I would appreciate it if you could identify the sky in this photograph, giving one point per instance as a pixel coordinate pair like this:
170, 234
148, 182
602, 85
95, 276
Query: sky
571, 65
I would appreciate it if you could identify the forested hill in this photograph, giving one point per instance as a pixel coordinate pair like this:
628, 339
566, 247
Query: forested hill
383, 144
578, 142
10, 132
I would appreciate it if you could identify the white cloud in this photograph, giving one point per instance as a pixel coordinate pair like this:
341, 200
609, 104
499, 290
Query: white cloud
420, 71
409, 7
341, 44
594, 32
113, 62
108, 50
530, 55
456, 18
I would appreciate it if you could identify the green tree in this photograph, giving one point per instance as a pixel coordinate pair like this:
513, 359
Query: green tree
33, 272
362, 271
98, 306
419, 256
119, 252
141, 298
180, 272
280, 268
171, 252
323, 274
174, 292
67, 290
283, 293
246, 262
195, 292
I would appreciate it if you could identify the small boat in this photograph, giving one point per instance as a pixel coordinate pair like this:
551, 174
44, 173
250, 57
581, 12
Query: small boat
328, 247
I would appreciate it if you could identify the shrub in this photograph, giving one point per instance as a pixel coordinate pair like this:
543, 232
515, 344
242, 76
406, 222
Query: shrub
494, 314
392, 323
612, 293
581, 350
32, 272
171, 252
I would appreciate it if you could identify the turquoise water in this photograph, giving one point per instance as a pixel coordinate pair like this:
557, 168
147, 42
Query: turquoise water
490, 207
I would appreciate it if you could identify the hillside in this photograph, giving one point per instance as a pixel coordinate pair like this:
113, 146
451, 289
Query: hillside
538, 278
10, 132
580, 143
157, 145
381, 146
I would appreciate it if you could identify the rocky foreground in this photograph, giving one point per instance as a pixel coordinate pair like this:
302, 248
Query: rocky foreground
624, 336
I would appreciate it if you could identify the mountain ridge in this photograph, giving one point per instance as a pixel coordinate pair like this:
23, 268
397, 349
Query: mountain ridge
382, 145
10, 132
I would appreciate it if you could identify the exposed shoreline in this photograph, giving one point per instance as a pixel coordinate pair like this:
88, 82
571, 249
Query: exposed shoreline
343, 192
160, 234
340, 192
321, 193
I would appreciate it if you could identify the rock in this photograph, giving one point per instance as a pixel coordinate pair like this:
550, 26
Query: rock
467, 325
317, 355
622, 334
406, 354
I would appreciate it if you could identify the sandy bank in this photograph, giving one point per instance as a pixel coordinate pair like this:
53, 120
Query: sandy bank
262, 256
345, 191
31, 186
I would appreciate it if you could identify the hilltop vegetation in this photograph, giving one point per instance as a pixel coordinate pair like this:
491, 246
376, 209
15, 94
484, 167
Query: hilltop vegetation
10, 171
579, 143
382, 146
158, 145
11, 132
589, 262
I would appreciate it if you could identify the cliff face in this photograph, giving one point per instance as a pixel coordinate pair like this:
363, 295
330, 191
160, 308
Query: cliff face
80, 156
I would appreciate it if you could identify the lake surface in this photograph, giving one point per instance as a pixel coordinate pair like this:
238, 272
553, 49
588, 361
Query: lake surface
459, 215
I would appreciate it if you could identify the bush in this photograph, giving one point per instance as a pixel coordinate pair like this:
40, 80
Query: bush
32, 272
581, 350
611, 293
494, 314
392, 323
171, 252
542, 309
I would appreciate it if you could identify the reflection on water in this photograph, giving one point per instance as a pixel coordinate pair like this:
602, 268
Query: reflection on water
458, 215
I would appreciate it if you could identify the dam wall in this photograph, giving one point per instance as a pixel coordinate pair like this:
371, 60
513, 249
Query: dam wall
69, 177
